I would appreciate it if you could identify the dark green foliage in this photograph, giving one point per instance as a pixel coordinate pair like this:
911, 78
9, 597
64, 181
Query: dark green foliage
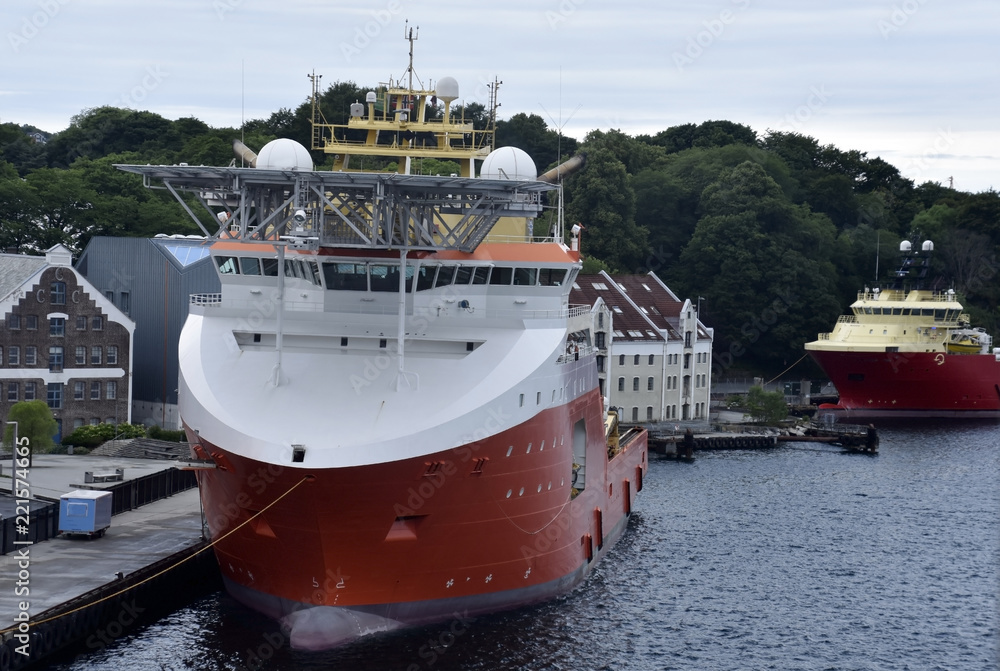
529, 132
741, 219
92, 435
765, 407
34, 422
177, 436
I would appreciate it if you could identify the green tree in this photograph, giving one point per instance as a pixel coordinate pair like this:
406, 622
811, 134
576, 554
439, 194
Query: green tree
766, 407
34, 422
529, 132
601, 199
763, 264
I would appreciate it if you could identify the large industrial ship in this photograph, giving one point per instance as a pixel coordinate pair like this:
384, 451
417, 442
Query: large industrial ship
397, 407
909, 351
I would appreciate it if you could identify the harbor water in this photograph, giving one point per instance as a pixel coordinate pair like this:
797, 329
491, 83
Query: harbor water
794, 557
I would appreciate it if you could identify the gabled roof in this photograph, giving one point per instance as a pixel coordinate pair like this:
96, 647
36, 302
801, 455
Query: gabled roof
16, 270
654, 300
628, 323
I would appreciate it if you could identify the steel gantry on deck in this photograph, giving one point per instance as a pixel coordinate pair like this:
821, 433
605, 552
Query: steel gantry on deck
345, 209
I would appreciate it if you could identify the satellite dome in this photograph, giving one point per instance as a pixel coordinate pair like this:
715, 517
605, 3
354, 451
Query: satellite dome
284, 154
447, 89
508, 163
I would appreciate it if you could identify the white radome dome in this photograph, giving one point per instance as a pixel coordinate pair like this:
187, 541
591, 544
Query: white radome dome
284, 154
508, 163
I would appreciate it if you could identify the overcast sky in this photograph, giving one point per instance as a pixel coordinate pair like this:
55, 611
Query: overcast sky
913, 81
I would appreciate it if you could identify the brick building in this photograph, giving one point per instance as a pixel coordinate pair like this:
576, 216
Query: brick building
62, 342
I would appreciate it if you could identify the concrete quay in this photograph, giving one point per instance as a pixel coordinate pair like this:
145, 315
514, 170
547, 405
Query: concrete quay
76, 575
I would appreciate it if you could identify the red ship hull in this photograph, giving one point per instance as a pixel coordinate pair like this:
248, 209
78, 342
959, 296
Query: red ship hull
905, 384
492, 525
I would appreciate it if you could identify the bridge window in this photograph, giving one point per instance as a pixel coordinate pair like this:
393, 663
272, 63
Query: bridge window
345, 276
250, 265
227, 265
444, 276
501, 276
552, 277
526, 276
425, 277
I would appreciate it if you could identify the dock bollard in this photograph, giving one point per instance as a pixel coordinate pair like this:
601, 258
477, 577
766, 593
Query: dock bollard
688, 444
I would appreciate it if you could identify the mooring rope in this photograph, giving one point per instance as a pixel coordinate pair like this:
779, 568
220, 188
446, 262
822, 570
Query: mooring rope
35, 623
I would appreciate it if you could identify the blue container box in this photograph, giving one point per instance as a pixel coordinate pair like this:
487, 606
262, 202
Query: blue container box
85, 511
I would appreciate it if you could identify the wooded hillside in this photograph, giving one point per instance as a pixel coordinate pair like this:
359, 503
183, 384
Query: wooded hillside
775, 232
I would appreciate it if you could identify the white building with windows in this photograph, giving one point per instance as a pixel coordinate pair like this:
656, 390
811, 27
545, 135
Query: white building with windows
657, 361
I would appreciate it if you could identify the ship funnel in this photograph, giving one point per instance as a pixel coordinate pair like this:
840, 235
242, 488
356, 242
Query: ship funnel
564, 169
245, 153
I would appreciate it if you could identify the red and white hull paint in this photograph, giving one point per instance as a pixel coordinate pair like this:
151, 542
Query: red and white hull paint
912, 384
459, 532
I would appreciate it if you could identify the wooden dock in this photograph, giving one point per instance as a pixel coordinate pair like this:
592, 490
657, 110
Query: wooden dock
853, 438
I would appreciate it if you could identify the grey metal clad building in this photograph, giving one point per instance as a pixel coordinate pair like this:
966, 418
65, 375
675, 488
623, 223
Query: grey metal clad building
150, 280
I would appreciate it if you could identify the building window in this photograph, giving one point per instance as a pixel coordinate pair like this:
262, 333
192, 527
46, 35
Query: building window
111, 390
649, 413
30, 355
110, 295
29, 391
94, 421
635, 384
600, 364
649, 384
13, 355
57, 327
635, 360
621, 384
81, 355
13, 321
650, 359
96, 355
600, 319
95, 391
621, 359
31, 322
97, 323
125, 300
57, 293
687, 339
112, 355
635, 414
54, 398
55, 359
687, 361
600, 339
79, 390
81, 323
12, 391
